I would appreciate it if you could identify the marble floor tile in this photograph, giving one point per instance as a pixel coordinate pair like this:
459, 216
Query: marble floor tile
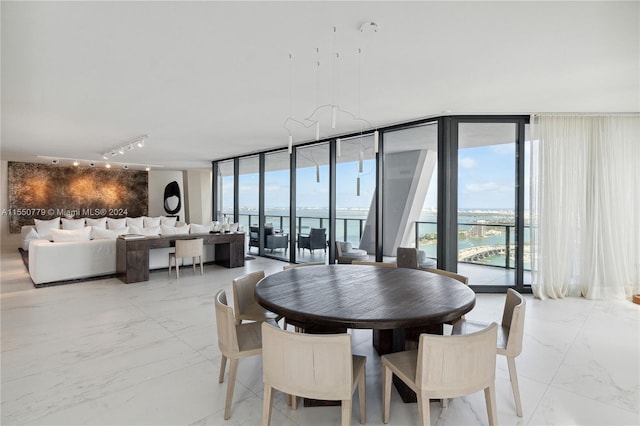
106, 353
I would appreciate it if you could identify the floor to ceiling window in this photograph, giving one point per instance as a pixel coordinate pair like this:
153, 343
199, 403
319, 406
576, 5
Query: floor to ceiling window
276, 203
486, 202
249, 194
312, 202
411, 189
454, 187
225, 190
355, 190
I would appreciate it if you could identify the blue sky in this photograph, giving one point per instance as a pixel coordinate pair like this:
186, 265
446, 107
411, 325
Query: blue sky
485, 181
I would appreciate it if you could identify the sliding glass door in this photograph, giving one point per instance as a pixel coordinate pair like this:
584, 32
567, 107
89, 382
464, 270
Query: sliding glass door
487, 202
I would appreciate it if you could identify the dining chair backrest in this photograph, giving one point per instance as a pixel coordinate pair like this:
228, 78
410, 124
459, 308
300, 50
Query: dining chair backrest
315, 366
407, 257
450, 366
244, 288
189, 248
458, 277
227, 336
513, 320
366, 262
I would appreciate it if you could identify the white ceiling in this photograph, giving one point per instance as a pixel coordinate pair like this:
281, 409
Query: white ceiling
210, 80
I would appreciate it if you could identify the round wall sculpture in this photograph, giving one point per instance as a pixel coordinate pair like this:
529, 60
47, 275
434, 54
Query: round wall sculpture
171, 194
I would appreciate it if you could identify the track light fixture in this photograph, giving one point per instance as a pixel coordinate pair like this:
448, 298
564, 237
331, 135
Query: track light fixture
129, 146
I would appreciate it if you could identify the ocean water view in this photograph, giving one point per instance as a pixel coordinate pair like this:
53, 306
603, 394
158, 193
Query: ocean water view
484, 236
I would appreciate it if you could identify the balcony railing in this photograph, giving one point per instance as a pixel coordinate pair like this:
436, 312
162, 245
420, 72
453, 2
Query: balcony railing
479, 243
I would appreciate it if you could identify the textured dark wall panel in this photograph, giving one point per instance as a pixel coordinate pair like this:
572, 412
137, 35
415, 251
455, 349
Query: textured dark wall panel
44, 191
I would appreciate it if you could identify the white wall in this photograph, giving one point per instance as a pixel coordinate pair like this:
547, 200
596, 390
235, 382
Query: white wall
198, 196
9, 241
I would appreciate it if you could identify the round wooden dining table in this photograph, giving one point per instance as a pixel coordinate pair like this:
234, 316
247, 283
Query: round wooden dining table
397, 303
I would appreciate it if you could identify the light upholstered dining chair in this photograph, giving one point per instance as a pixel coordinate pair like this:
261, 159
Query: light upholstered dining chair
187, 248
464, 280
244, 301
366, 262
235, 342
510, 335
411, 257
444, 367
318, 366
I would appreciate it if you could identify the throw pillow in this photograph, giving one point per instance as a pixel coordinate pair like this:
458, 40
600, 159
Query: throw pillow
97, 223
113, 223
44, 227
174, 230
108, 234
31, 235
151, 221
72, 223
138, 222
199, 229
168, 221
65, 235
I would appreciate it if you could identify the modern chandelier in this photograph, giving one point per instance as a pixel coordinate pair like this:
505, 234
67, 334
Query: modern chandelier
336, 111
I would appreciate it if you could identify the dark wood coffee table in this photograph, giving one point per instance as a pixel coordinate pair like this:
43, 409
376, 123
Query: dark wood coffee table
398, 304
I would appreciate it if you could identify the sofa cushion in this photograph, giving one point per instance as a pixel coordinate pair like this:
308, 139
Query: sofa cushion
152, 230
345, 246
31, 235
195, 228
174, 230
100, 222
135, 221
72, 223
44, 227
168, 221
113, 223
108, 234
151, 221
66, 235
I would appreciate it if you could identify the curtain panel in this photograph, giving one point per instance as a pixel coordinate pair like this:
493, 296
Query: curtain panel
585, 205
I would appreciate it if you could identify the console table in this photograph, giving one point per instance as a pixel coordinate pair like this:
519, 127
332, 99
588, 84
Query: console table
132, 256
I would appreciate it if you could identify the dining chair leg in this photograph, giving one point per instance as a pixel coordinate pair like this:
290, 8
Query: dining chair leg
513, 375
201, 267
223, 365
193, 263
233, 371
267, 403
387, 376
362, 396
424, 411
346, 412
490, 399
169, 265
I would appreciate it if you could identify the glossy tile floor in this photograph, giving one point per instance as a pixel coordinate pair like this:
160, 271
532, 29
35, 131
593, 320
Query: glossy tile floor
103, 352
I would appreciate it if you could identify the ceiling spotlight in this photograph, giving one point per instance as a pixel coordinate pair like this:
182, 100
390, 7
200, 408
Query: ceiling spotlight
104, 156
108, 166
130, 147
75, 163
92, 164
147, 168
55, 161
124, 166
114, 153
140, 143
121, 151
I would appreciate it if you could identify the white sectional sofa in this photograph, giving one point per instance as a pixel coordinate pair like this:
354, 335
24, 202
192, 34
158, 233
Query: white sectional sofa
52, 261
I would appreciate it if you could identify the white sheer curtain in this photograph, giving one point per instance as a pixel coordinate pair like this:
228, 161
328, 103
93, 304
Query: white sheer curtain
585, 205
